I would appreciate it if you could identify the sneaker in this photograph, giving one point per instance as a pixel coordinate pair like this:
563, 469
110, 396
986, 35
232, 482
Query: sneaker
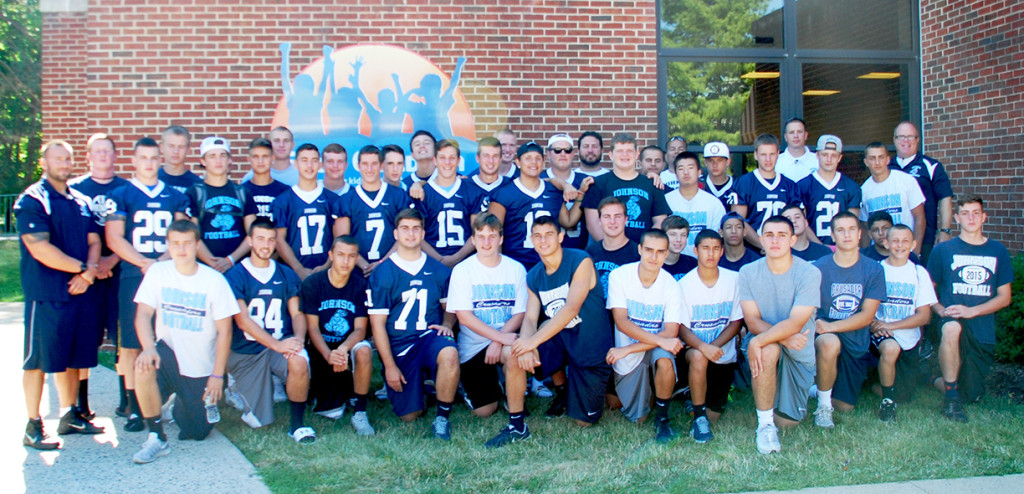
823, 418
71, 423
442, 428
382, 393
234, 399
558, 407
508, 435
663, 433
121, 412
36, 438
700, 431
954, 410
251, 420
152, 449
887, 411
303, 435
167, 411
539, 390
84, 414
768, 439
334, 413
362, 424
134, 424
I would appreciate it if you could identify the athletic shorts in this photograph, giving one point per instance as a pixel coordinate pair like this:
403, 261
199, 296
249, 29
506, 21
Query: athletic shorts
851, 372
106, 308
60, 335
909, 367
189, 409
587, 376
636, 389
975, 362
418, 362
480, 381
329, 389
126, 306
719, 381
252, 373
794, 380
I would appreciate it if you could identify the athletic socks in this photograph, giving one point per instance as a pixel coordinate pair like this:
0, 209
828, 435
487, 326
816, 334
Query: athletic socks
154, 424
298, 408
661, 408
516, 421
444, 408
133, 400
64, 411
888, 392
765, 417
560, 390
699, 411
360, 403
952, 390
824, 398
83, 395
122, 393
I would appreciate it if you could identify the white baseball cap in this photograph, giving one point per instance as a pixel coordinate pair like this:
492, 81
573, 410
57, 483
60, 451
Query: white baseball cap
213, 142
719, 149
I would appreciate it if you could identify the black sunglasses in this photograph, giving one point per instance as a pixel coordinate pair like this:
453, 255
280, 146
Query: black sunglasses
561, 150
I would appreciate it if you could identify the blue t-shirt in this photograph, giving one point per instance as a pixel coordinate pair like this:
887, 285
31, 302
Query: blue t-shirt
762, 198
99, 204
267, 301
448, 214
605, 261
68, 221
749, 256
264, 195
684, 265
336, 308
147, 213
575, 237
373, 217
643, 201
843, 291
310, 223
970, 275
410, 294
522, 206
824, 200
181, 183
221, 211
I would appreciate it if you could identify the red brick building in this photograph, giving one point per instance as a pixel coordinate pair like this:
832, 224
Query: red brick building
132, 67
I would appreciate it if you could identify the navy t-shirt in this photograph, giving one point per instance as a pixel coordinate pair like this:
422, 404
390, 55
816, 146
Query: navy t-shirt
181, 183
221, 215
749, 256
99, 204
605, 261
264, 195
970, 275
336, 308
813, 252
267, 302
843, 291
684, 265
643, 201
575, 237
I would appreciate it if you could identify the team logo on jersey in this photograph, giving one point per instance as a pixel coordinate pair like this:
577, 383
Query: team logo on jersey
337, 327
974, 275
633, 207
845, 303
223, 222
374, 94
101, 207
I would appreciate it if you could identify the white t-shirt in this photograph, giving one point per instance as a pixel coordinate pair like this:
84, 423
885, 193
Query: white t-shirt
897, 195
493, 294
796, 169
186, 308
907, 288
702, 212
649, 308
707, 311
670, 179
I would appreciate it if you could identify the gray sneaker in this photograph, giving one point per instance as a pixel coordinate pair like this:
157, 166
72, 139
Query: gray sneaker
152, 449
362, 424
823, 418
768, 439
442, 428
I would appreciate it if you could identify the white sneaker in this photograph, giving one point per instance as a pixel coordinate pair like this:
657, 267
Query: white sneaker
234, 399
362, 424
251, 420
382, 393
152, 449
768, 439
823, 418
304, 435
538, 389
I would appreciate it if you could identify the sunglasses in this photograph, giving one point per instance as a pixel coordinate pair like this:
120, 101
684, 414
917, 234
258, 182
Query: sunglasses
561, 150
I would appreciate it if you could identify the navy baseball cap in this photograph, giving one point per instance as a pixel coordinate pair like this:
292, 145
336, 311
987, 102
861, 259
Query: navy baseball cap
530, 147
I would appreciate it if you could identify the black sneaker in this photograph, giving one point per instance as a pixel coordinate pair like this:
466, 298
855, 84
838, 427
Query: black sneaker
36, 438
954, 410
71, 423
558, 406
121, 411
508, 435
84, 414
663, 433
887, 411
134, 424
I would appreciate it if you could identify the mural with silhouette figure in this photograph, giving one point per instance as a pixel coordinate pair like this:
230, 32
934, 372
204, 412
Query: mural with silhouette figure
374, 94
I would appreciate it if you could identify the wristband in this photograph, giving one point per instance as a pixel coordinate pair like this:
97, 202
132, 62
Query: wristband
231, 259
216, 376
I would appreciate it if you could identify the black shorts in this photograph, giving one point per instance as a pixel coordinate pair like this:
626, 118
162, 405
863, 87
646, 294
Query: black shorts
719, 385
851, 372
910, 366
975, 362
106, 308
480, 381
586, 384
189, 408
60, 335
327, 389
126, 306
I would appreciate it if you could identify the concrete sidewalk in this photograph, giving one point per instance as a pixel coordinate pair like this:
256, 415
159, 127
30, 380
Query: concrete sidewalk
969, 485
103, 463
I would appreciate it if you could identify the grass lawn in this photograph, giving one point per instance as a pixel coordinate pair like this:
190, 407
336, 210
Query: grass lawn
10, 270
617, 456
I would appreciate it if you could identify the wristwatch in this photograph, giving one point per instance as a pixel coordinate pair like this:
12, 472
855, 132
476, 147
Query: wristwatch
83, 268
948, 231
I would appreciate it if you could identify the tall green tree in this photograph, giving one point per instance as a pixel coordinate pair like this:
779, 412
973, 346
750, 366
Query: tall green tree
20, 93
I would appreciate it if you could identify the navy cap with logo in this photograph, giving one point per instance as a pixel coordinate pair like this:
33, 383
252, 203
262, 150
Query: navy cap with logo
530, 147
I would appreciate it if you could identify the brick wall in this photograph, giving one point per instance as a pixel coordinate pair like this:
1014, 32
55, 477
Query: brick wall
540, 67
973, 92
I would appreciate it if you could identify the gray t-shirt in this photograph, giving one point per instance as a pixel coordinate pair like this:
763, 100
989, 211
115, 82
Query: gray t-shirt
777, 294
843, 290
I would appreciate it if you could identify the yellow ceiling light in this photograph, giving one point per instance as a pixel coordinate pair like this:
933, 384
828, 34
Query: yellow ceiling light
760, 75
820, 92
880, 75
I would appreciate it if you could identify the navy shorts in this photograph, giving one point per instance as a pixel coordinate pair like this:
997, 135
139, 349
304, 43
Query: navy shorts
418, 362
189, 408
851, 372
588, 378
127, 337
60, 335
107, 314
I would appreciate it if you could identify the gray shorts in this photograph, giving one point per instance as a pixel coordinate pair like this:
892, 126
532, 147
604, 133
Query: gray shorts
636, 389
794, 380
253, 381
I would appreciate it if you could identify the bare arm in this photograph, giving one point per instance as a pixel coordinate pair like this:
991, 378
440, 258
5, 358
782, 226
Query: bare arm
1002, 299
866, 314
569, 218
583, 280
285, 252
593, 224
215, 383
919, 226
392, 374
945, 218
667, 338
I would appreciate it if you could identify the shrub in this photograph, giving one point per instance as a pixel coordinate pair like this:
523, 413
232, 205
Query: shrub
1010, 321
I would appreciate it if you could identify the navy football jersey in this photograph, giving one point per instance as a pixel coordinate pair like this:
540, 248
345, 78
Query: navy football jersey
448, 214
824, 200
266, 293
180, 183
724, 193
486, 190
575, 237
309, 217
411, 294
522, 206
147, 212
762, 198
99, 204
372, 215
264, 195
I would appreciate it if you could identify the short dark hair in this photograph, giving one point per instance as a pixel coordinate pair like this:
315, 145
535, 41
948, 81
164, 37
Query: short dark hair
656, 233
610, 201
674, 222
177, 130
778, 218
409, 214
844, 215
391, 148
99, 137
260, 142
183, 226
880, 216
794, 205
307, 146
335, 148
371, 149
448, 143
590, 133
145, 142
344, 239
546, 220
965, 199
422, 133
706, 234
685, 155
875, 145
488, 220
262, 223
766, 140
652, 148
282, 128
490, 142
794, 119
623, 138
